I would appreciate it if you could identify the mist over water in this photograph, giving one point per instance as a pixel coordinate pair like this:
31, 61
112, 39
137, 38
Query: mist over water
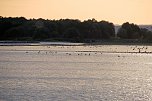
75, 73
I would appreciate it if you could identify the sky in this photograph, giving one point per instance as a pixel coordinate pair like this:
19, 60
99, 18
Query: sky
116, 11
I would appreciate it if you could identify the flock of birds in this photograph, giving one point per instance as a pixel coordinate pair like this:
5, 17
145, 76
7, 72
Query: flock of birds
140, 49
133, 49
78, 53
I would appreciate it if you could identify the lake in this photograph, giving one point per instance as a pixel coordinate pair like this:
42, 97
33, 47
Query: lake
76, 73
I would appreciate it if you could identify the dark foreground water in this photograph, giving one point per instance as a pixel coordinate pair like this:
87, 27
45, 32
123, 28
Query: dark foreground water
74, 76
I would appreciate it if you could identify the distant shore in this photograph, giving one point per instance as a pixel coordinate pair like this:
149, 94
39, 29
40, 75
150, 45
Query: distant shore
37, 43
60, 43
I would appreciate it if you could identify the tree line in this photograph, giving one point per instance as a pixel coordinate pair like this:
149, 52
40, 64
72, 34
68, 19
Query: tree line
22, 29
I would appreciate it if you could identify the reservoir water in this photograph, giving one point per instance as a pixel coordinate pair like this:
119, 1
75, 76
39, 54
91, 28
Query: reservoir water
75, 73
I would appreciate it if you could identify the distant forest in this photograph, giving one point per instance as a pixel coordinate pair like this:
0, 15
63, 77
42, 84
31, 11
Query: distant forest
22, 29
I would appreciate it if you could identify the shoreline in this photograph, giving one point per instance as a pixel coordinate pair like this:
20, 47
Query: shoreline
46, 43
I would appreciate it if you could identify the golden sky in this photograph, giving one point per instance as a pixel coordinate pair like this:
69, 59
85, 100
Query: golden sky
116, 11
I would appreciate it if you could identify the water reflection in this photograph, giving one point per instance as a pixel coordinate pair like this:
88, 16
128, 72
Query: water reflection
59, 76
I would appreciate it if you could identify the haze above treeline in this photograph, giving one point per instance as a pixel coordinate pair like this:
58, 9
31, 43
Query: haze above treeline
73, 30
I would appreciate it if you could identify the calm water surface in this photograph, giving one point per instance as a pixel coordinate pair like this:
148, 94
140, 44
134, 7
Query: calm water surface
71, 73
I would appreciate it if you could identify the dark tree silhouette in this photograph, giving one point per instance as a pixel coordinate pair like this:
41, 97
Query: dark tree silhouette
146, 34
20, 28
129, 31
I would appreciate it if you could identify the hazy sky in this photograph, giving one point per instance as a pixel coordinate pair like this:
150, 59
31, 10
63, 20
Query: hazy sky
116, 11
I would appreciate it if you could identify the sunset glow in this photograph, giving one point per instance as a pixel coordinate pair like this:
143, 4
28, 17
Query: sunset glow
116, 11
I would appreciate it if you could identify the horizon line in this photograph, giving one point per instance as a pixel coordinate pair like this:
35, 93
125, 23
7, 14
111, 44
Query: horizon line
36, 18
